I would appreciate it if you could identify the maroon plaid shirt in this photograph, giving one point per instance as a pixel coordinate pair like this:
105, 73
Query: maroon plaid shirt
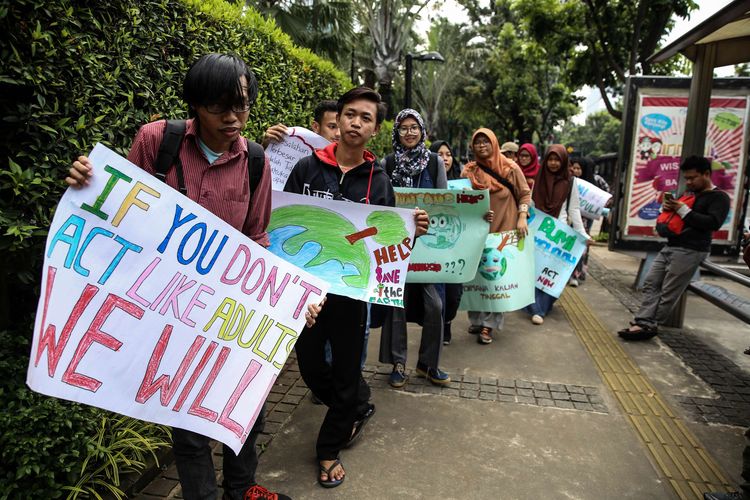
222, 188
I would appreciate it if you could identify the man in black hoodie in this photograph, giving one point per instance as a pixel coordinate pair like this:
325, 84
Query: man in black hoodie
342, 171
677, 262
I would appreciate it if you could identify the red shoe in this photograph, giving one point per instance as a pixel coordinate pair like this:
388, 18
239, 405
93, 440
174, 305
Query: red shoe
258, 492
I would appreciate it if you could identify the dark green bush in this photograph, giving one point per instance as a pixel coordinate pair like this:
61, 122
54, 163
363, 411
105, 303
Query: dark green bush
77, 72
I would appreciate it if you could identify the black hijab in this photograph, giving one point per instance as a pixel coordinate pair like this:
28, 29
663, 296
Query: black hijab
455, 170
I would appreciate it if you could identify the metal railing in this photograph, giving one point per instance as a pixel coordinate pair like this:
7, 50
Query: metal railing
738, 307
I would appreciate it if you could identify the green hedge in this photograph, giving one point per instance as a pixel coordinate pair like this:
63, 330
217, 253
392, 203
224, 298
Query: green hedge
79, 72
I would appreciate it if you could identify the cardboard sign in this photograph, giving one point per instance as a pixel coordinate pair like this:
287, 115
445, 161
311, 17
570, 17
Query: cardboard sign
155, 308
593, 200
283, 156
361, 251
450, 251
558, 249
505, 275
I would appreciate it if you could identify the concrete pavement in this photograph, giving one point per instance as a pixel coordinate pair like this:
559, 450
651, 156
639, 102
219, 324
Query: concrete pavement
531, 415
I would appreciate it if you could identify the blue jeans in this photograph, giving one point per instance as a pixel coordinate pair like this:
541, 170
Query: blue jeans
196, 468
542, 305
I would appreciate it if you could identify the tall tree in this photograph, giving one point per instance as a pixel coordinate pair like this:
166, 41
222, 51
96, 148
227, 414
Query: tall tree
604, 41
389, 23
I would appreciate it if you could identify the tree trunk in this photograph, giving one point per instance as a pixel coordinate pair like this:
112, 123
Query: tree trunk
386, 92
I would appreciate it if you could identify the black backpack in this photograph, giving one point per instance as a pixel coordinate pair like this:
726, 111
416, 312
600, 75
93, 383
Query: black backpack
169, 149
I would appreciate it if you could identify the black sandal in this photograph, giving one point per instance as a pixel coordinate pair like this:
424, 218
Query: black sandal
645, 333
330, 483
359, 425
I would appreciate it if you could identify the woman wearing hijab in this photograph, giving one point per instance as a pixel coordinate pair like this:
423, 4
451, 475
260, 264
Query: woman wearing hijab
510, 197
412, 165
445, 152
453, 291
555, 194
528, 160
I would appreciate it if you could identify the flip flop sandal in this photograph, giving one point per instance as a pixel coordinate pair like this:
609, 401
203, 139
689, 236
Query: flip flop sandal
330, 483
359, 426
645, 333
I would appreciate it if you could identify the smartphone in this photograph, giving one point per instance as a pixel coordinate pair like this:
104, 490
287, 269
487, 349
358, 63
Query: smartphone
668, 196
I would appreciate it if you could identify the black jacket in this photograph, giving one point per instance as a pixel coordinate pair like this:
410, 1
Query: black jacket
308, 178
707, 215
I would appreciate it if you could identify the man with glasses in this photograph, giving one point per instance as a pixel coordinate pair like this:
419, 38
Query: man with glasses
213, 157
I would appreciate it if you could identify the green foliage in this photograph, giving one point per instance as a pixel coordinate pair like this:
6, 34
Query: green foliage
74, 74
382, 144
600, 134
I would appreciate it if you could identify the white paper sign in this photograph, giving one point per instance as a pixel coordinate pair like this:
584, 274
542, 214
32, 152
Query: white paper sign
284, 155
593, 199
155, 308
362, 251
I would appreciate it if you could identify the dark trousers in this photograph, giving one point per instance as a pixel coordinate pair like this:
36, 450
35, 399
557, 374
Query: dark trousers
196, 468
339, 385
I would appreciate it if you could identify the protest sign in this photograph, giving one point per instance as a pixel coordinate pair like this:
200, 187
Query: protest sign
505, 275
593, 199
558, 249
362, 251
283, 156
450, 251
155, 308
460, 184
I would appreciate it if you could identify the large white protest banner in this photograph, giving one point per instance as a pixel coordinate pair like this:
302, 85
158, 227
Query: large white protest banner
558, 249
283, 156
593, 199
362, 251
155, 308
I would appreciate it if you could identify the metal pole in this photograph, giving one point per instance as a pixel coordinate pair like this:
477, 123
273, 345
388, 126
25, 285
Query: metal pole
694, 139
407, 82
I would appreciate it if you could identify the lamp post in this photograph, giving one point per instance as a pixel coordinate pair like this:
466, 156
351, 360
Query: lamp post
427, 56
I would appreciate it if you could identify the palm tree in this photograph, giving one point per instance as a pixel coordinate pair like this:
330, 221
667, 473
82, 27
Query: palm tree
388, 23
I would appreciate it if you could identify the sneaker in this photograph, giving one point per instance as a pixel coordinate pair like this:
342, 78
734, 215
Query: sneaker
485, 336
537, 320
573, 282
434, 375
475, 329
258, 492
398, 376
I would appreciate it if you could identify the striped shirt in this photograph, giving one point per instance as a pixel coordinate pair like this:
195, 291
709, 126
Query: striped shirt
222, 188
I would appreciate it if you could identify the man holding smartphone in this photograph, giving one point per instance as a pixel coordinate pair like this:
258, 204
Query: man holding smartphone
677, 262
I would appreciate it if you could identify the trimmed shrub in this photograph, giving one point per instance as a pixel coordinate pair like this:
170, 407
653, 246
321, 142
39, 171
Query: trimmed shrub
75, 73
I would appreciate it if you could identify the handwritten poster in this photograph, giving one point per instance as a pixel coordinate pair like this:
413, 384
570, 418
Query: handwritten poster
283, 156
593, 200
155, 308
361, 251
657, 150
505, 275
558, 249
450, 250
460, 184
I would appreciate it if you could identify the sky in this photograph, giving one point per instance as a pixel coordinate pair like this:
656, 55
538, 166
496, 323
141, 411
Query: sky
592, 99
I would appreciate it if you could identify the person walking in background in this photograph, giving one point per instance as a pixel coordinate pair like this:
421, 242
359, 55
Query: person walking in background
510, 197
528, 160
556, 195
412, 165
453, 291
582, 168
510, 150
450, 162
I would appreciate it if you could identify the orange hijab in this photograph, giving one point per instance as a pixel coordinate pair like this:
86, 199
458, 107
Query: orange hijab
498, 163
